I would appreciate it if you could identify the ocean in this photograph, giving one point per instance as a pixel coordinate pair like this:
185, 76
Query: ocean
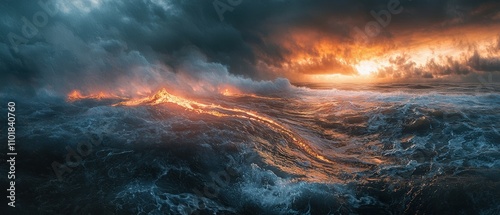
419, 148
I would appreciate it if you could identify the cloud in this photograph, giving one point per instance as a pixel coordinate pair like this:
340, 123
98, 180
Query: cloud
402, 67
105, 44
484, 64
326, 64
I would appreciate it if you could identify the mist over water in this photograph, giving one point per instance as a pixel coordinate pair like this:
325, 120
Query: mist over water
191, 107
309, 149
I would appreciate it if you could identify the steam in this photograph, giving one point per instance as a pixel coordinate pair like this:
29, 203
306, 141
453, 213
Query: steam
67, 62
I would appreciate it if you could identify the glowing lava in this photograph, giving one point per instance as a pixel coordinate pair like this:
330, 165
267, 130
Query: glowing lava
76, 95
163, 96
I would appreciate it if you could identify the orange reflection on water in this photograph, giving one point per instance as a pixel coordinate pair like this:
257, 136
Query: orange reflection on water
163, 96
76, 95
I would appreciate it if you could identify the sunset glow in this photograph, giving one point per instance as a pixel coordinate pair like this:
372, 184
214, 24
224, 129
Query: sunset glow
76, 95
366, 67
279, 107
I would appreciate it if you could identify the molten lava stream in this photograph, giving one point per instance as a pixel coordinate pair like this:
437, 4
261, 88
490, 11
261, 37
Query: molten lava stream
163, 96
76, 95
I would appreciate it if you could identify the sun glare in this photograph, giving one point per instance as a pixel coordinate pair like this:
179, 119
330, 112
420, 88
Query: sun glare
366, 67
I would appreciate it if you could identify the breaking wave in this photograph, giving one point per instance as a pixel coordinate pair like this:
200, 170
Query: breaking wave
413, 150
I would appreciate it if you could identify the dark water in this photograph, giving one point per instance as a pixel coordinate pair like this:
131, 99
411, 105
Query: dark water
355, 149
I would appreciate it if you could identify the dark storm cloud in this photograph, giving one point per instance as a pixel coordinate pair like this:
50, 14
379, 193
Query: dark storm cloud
403, 67
484, 64
103, 42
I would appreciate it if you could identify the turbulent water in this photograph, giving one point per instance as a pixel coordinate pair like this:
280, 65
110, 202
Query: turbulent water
350, 149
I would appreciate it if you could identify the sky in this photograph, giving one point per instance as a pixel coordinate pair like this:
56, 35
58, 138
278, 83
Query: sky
133, 46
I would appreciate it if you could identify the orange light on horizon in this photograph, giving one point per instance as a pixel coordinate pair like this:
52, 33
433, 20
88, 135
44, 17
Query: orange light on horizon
76, 95
320, 58
366, 68
226, 92
229, 91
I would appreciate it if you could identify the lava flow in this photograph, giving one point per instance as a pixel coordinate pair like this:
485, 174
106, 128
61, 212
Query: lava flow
76, 95
163, 96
